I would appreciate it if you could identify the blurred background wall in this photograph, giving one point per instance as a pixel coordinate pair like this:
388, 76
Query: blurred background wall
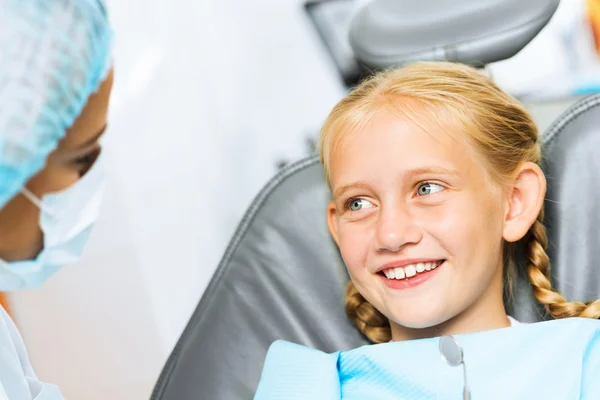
210, 98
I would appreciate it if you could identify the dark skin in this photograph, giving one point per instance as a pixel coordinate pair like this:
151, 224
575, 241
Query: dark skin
20, 235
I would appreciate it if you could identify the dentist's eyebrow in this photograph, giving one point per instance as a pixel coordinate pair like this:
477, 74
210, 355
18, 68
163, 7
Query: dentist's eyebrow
92, 140
80, 149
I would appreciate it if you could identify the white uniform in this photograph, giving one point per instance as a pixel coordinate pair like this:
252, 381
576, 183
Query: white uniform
17, 379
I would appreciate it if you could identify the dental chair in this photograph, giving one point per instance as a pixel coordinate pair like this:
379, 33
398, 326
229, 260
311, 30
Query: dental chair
282, 277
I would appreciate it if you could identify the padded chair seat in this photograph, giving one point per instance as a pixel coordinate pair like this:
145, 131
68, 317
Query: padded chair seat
388, 33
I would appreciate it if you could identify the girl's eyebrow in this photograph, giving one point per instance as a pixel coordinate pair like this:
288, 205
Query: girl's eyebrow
340, 191
407, 175
435, 170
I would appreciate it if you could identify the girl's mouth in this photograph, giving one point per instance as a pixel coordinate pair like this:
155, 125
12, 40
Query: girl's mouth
410, 275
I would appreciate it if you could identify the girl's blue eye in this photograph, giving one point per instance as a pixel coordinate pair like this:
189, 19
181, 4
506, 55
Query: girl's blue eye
427, 188
358, 204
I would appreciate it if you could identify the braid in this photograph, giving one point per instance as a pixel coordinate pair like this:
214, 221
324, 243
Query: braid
369, 321
538, 270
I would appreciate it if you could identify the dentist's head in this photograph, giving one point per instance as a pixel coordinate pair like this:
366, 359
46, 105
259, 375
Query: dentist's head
55, 83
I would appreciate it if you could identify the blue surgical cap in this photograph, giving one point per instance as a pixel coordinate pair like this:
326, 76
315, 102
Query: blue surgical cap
53, 55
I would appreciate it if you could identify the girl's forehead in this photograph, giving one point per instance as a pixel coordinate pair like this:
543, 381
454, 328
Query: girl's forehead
388, 130
394, 143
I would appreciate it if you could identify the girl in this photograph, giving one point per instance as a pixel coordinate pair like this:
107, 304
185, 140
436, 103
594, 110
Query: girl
436, 180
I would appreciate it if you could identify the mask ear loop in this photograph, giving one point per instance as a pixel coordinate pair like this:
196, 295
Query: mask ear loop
37, 202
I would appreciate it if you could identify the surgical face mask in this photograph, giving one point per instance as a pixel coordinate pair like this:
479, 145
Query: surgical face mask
66, 219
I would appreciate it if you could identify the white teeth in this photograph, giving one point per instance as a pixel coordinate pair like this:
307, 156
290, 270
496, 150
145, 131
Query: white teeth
399, 273
410, 270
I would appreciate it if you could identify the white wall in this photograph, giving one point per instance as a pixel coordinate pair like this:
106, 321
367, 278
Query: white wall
208, 96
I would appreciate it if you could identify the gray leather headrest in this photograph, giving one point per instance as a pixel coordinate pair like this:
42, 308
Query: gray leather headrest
388, 33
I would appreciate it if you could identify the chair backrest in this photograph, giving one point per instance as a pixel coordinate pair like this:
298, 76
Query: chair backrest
282, 276
571, 163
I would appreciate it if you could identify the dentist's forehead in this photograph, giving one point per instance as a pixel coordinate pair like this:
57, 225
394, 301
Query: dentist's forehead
91, 123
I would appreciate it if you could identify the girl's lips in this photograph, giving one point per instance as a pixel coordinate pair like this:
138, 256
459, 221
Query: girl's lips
412, 281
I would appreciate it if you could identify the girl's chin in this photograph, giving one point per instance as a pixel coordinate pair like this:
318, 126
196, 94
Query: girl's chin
419, 321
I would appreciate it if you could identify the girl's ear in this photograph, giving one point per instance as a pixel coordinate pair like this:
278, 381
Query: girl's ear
525, 201
332, 222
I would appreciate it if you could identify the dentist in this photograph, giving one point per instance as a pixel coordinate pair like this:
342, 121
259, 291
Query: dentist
55, 83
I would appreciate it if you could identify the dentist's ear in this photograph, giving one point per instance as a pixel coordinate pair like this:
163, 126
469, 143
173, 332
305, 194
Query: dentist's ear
332, 222
525, 201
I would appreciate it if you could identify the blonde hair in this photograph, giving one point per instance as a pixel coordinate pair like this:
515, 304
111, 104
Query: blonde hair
503, 132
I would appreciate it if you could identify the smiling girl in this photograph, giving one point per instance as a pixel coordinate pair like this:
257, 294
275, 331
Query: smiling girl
435, 175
